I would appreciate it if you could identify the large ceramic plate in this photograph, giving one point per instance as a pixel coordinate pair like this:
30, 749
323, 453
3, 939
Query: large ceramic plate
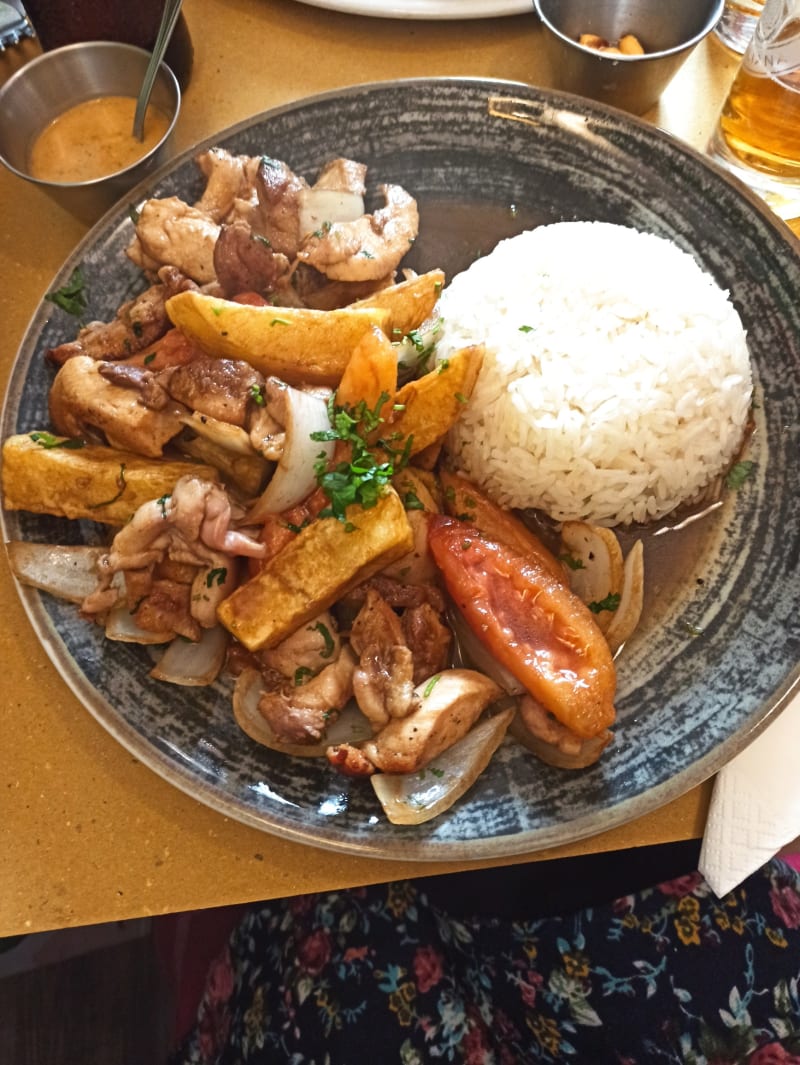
716, 655
427, 9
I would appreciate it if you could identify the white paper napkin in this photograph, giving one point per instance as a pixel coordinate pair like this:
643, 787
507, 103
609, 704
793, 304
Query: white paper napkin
755, 804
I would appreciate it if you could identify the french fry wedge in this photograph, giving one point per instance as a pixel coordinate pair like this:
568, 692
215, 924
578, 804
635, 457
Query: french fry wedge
429, 405
370, 373
299, 345
97, 483
409, 303
315, 569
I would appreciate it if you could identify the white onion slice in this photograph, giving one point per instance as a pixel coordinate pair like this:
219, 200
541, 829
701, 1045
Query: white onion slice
349, 727
599, 573
294, 478
322, 207
121, 627
67, 572
413, 798
472, 654
193, 664
631, 599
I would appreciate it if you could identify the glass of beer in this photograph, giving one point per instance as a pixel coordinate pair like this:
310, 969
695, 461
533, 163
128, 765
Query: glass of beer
735, 28
757, 134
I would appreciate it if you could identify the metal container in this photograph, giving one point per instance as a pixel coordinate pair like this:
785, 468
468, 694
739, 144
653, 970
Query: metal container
55, 81
667, 29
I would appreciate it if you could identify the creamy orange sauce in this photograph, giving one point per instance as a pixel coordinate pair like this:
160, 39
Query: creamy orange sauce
94, 139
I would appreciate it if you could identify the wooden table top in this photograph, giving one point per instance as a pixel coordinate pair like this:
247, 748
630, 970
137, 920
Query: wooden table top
88, 833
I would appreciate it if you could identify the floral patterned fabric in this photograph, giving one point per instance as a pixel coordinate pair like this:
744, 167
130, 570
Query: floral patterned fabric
379, 975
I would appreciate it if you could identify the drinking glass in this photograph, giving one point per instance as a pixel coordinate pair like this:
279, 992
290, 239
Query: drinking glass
735, 28
757, 134
61, 22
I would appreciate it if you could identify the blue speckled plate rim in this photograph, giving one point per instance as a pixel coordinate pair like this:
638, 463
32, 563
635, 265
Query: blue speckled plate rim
496, 846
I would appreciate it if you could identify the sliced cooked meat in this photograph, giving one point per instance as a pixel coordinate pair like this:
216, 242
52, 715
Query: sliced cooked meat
83, 402
167, 608
370, 247
227, 179
171, 233
343, 175
138, 323
314, 290
383, 683
244, 261
178, 556
307, 651
219, 388
302, 714
398, 594
278, 217
428, 638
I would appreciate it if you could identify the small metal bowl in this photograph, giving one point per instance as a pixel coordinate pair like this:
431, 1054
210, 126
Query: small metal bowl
55, 81
668, 30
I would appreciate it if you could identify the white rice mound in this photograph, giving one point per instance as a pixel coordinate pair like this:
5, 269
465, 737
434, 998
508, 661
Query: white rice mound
616, 383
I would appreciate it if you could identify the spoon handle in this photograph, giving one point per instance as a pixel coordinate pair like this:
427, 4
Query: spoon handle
172, 9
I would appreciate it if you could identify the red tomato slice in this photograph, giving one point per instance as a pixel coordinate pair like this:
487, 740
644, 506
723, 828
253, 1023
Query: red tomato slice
531, 622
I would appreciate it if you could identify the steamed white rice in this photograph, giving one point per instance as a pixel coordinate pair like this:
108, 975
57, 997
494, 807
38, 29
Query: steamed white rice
616, 383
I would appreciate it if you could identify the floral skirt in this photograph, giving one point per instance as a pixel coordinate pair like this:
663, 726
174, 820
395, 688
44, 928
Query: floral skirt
380, 975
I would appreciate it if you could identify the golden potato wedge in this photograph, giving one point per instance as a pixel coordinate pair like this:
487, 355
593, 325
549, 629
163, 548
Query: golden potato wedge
409, 303
98, 483
316, 568
464, 500
429, 405
299, 345
370, 373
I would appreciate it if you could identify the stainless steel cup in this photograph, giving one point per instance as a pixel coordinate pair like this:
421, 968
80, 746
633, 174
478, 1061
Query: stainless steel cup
55, 81
668, 32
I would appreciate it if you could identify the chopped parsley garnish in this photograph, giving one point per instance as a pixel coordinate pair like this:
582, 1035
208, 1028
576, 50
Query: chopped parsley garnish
362, 479
297, 528
527, 328
47, 441
71, 297
611, 602
162, 502
216, 576
738, 474
256, 393
325, 633
121, 484
301, 675
149, 358
571, 562
431, 685
411, 501
280, 321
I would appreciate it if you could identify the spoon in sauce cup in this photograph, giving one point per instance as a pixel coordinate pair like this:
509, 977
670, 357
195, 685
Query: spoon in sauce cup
172, 8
